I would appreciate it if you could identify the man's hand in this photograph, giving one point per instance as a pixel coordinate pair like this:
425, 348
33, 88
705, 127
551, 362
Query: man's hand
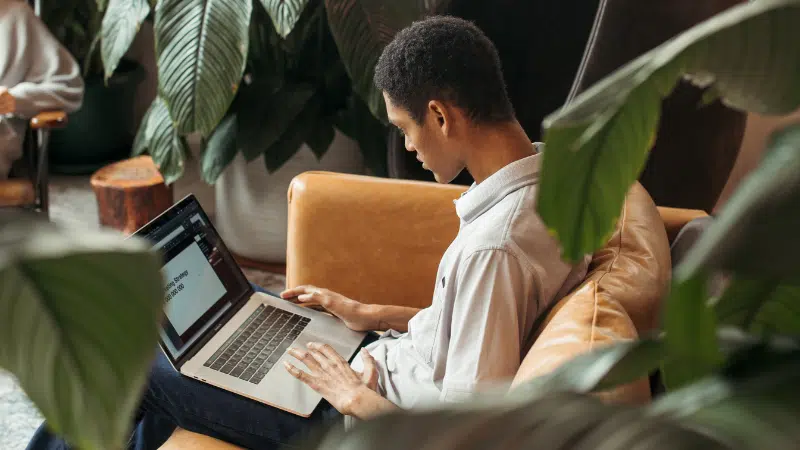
354, 314
8, 104
350, 392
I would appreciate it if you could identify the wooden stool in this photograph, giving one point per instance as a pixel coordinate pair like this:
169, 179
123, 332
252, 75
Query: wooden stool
130, 193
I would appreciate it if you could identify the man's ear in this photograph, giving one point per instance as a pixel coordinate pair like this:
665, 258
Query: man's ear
442, 115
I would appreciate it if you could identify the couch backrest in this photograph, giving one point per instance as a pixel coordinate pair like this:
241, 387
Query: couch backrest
619, 299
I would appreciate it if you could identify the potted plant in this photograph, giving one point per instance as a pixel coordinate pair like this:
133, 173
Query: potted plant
102, 130
286, 88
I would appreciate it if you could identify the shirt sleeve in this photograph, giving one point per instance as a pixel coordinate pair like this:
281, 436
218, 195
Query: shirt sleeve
494, 293
52, 78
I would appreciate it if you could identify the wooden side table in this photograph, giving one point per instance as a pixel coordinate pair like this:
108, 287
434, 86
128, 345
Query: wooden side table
130, 193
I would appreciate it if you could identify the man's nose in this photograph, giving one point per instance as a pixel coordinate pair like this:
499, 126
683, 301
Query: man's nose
409, 145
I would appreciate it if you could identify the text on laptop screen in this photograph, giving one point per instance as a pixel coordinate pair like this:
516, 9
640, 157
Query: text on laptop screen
202, 281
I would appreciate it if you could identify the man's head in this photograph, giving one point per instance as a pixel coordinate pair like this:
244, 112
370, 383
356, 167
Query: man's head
442, 81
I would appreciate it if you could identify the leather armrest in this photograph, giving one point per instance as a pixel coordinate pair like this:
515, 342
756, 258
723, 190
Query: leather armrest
675, 219
373, 239
49, 119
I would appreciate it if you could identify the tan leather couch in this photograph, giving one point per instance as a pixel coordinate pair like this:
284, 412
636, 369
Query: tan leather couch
380, 241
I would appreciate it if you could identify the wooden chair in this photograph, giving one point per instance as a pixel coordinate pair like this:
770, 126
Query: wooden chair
29, 189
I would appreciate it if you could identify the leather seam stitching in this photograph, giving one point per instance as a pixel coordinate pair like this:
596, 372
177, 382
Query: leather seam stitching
623, 220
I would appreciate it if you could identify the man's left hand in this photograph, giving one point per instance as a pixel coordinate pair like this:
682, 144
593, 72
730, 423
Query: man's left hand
8, 104
333, 378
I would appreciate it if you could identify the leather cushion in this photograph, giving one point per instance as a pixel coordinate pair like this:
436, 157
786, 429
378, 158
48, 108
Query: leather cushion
580, 322
634, 268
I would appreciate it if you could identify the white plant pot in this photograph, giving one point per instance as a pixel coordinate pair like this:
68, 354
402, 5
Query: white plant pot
251, 204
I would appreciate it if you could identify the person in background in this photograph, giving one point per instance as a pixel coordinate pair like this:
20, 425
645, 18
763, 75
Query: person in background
36, 74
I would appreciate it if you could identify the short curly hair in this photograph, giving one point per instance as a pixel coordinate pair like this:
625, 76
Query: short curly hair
448, 59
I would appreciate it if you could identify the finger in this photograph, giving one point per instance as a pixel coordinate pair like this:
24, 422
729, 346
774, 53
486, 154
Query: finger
370, 374
306, 358
314, 298
321, 359
326, 350
300, 375
298, 290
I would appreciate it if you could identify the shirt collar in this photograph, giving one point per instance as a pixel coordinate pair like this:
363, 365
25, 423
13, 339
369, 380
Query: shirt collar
479, 198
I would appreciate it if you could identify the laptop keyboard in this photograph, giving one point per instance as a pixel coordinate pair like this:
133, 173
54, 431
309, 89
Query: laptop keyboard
256, 346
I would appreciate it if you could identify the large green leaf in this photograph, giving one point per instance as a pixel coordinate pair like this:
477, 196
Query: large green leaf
356, 122
158, 137
120, 25
284, 14
753, 401
265, 114
598, 144
362, 28
753, 234
557, 421
319, 138
201, 49
220, 150
295, 134
763, 306
79, 325
691, 333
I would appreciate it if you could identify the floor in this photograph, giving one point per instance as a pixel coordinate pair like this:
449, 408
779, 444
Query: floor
73, 204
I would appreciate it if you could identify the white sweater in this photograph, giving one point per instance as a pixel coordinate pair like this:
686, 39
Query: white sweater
37, 70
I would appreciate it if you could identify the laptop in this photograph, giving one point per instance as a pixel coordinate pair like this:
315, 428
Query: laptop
218, 330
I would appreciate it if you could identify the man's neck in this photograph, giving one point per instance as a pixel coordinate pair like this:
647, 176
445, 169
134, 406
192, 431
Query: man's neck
494, 147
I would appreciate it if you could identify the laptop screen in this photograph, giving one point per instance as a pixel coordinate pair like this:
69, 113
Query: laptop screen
202, 280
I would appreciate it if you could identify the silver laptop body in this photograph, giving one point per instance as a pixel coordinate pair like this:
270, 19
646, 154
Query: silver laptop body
218, 330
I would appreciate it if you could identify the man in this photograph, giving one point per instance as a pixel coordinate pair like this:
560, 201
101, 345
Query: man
444, 90
36, 74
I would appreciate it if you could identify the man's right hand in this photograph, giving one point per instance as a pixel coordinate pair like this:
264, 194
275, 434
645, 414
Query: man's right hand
353, 313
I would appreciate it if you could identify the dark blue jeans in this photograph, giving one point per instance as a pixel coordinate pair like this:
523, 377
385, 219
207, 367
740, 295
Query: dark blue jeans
172, 399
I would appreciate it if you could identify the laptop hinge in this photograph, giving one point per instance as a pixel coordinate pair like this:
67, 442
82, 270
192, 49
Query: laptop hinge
225, 318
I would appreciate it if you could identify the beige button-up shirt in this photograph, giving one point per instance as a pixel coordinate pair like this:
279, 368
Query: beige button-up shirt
501, 271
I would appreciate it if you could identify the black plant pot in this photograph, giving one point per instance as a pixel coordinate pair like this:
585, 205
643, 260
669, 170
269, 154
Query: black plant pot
102, 131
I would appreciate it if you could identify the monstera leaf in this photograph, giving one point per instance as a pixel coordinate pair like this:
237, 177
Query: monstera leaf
284, 14
79, 325
598, 144
362, 28
120, 25
157, 136
201, 49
